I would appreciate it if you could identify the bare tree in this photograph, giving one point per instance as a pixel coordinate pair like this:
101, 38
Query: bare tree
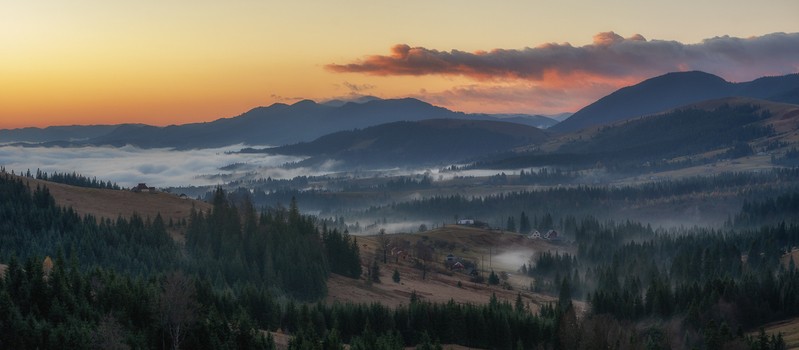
177, 306
425, 253
109, 335
383, 242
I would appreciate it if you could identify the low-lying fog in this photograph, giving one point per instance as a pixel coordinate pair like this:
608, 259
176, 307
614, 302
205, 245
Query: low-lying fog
162, 167
513, 259
130, 165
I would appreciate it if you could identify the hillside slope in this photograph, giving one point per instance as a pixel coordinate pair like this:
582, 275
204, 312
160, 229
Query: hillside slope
103, 203
694, 134
414, 143
672, 90
499, 251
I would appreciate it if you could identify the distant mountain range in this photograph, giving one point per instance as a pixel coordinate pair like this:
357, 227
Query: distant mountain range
672, 90
413, 143
643, 134
278, 124
55, 133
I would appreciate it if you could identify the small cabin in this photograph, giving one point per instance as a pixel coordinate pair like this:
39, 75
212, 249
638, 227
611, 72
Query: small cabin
466, 222
140, 188
535, 235
551, 235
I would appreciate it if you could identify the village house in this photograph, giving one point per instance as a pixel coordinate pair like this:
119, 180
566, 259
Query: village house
551, 235
142, 187
466, 222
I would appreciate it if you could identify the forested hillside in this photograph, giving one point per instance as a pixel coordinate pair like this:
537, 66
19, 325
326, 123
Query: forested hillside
78, 283
413, 143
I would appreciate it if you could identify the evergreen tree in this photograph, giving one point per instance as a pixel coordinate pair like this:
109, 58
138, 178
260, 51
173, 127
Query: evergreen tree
511, 225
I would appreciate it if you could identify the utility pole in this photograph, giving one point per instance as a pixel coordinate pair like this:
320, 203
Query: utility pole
489, 259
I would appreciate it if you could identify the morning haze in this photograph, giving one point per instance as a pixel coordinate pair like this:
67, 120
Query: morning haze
428, 175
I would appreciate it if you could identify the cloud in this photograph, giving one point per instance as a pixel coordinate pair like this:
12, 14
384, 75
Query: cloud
608, 57
521, 97
357, 88
286, 99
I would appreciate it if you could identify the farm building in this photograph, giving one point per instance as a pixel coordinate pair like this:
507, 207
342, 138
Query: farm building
551, 235
142, 187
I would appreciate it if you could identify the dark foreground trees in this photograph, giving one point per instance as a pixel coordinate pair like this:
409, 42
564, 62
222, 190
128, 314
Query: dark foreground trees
126, 284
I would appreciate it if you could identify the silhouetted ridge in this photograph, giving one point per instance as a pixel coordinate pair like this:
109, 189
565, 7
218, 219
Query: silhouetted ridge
672, 90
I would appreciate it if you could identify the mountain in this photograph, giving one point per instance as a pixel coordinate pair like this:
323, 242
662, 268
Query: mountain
672, 90
693, 134
559, 117
55, 133
415, 143
278, 124
359, 99
538, 121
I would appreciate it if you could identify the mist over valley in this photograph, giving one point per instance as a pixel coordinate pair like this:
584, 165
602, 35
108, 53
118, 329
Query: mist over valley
668, 225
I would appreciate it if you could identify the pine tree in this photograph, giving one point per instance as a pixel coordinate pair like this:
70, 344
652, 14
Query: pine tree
511, 225
524, 223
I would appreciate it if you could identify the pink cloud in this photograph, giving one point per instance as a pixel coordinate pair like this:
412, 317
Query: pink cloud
523, 97
610, 56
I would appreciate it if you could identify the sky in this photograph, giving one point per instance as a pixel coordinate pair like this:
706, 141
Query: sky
174, 62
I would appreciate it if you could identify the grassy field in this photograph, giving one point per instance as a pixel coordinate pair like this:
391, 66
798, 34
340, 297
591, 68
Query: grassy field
788, 328
494, 250
103, 203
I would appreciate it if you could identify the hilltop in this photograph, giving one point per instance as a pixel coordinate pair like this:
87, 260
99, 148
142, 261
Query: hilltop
676, 89
110, 204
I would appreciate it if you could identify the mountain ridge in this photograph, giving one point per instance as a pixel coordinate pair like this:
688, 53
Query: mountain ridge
671, 90
277, 124
409, 143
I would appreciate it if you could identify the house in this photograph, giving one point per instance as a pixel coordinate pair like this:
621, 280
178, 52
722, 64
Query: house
466, 222
535, 235
450, 257
142, 187
458, 266
399, 253
551, 235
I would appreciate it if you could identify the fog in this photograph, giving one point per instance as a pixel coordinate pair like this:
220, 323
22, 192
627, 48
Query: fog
130, 165
443, 175
513, 259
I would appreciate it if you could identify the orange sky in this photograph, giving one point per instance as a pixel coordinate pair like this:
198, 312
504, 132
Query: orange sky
157, 62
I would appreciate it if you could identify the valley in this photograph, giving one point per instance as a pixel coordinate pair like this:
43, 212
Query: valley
395, 221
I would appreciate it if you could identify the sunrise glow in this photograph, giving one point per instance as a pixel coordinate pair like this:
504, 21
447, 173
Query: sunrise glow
155, 62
